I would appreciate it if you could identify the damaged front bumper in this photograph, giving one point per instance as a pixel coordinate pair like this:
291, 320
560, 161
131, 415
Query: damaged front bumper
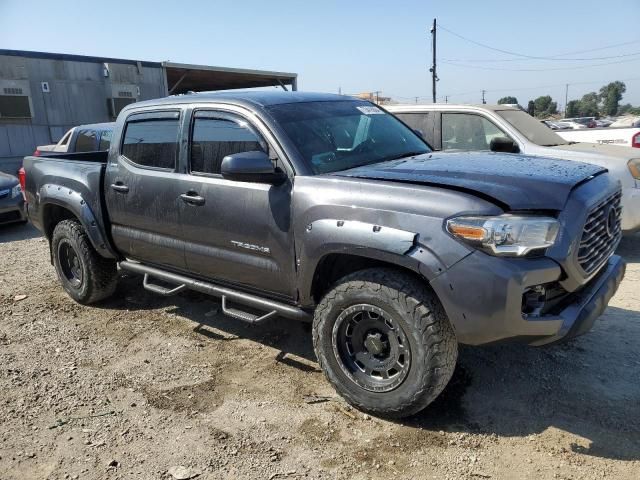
484, 298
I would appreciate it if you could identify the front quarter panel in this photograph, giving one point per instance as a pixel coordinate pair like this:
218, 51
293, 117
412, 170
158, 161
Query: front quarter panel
398, 223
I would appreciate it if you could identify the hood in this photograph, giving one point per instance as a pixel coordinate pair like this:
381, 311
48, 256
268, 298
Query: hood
7, 181
518, 181
597, 150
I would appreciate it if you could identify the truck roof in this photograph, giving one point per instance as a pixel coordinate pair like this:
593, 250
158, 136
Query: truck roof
260, 98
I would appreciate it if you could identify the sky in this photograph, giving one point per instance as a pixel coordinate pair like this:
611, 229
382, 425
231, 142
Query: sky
358, 46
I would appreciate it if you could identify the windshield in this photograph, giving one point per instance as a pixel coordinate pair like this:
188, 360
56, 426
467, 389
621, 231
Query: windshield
531, 128
334, 136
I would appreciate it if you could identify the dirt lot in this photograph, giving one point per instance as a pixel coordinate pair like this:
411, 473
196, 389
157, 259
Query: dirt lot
139, 385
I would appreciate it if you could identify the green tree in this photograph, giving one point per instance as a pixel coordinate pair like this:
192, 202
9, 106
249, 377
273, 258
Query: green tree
628, 109
508, 100
573, 109
544, 106
589, 105
531, 110
610, 95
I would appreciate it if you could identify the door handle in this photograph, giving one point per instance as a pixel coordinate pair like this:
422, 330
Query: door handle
119, 187
192, 198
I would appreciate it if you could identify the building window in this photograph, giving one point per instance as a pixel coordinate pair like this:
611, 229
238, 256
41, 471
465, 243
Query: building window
152, 143
14, 106
214, 139
117, 104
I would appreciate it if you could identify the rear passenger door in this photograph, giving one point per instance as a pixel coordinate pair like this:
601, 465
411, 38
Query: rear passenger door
142, 189
239, 232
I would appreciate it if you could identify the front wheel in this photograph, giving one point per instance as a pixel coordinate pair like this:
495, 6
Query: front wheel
85, 275
384, 342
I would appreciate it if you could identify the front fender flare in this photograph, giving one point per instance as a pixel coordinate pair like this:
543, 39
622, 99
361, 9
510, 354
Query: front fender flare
391, 245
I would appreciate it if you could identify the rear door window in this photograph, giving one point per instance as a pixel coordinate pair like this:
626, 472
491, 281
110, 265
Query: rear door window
152, 142
421, 121
214, 137
465, 132
86, 141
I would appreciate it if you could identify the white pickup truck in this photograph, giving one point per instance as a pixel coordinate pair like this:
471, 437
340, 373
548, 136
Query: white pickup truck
622, 137
503, 128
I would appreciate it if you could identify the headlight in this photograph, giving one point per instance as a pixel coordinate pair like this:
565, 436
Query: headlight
634, 167
506, 235
15, 191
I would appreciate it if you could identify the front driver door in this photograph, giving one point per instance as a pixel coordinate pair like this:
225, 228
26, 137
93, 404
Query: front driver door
241, 232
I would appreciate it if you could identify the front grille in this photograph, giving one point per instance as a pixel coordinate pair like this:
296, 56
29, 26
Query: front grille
601, 234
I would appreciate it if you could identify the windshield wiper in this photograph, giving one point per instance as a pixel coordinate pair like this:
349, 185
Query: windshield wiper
382, 160
401, 155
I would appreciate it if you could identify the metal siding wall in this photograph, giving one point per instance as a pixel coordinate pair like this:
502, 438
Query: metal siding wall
78, 94
5, 151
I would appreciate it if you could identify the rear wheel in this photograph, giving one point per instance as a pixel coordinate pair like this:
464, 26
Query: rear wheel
384, 342
85, 275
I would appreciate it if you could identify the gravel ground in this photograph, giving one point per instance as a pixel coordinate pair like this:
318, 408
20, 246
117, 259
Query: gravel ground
138, 386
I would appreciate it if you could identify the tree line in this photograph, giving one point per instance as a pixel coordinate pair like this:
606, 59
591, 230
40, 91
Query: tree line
605, 102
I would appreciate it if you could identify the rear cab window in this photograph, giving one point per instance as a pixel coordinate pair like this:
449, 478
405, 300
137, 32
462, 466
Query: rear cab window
151, 140
86, 141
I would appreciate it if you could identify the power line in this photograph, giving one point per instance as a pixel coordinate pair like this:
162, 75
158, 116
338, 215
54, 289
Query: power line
513, 89
578, 67
532, 57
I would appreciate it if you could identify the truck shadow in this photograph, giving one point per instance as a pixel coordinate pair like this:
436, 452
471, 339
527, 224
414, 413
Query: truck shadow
18, 231
629, 248
587, 387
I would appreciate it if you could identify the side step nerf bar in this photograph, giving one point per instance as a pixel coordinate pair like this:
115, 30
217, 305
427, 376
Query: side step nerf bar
270, 306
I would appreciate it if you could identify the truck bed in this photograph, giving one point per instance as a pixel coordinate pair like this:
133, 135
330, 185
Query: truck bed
621, 136
63, 179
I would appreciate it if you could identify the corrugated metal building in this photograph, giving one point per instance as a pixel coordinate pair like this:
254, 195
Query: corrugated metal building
42, 95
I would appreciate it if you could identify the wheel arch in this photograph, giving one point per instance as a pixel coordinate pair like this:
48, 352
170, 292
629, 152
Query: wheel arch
336, 265
59, 203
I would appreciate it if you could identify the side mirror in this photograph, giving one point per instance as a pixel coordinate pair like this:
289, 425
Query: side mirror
254, 166
503, 144
418, 132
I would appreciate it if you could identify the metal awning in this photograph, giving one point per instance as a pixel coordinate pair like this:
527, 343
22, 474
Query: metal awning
182, 78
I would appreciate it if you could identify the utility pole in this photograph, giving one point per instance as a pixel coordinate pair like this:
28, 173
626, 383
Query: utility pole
566, 98
416, 99
483, 100
434, 76
446, 99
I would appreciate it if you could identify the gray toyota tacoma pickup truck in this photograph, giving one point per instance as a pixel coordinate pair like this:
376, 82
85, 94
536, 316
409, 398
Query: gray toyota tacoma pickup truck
327, 209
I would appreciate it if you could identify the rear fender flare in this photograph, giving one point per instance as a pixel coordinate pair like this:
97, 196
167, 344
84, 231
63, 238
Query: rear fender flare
51, 194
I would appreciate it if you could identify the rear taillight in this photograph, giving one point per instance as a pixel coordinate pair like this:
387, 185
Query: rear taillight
635, 140
22, 177
36, 153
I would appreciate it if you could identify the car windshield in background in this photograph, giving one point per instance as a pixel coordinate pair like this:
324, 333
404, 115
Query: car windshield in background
334, 136
531, 128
